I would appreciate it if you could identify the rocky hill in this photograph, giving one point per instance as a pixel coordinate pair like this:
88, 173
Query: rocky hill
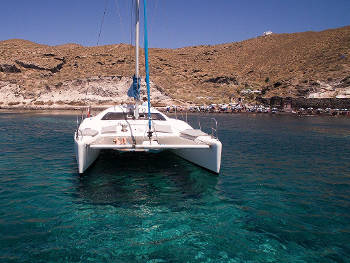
308, 65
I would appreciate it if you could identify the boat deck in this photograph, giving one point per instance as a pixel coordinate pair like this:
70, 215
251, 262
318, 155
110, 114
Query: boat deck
169, 142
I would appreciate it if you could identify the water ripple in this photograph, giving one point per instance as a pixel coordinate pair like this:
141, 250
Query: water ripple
283, 195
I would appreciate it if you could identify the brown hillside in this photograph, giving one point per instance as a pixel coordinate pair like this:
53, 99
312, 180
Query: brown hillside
296, 65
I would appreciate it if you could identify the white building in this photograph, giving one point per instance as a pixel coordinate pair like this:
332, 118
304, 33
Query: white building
267, 33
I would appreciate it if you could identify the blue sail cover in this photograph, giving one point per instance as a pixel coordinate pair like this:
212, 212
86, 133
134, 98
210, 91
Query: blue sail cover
134, 90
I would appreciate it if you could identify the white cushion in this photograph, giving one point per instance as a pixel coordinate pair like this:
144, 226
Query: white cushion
163, 128
89, 132
193, 132
109, 129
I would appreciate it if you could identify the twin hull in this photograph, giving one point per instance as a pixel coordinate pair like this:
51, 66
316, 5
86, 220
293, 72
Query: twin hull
116, 128
209, 158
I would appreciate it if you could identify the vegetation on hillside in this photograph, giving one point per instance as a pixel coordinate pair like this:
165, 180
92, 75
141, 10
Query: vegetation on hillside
287, 65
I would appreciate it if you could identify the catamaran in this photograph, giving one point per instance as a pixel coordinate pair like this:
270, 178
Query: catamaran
141, 128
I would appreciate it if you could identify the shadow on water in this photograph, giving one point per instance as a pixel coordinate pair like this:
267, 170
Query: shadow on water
123, 179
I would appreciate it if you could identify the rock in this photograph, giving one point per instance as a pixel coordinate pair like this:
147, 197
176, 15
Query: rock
9, 68
345, 82
223, 80
54, 65
277, 84
49, 55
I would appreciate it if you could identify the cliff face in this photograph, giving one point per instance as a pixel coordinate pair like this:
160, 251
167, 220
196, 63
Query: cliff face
305, 65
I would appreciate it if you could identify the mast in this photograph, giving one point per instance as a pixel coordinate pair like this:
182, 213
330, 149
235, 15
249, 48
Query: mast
136, 79
137, 37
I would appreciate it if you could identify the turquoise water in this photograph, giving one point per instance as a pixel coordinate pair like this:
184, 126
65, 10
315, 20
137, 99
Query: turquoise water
283, 195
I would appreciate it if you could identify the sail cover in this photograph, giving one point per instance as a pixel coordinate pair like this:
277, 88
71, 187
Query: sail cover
134, 90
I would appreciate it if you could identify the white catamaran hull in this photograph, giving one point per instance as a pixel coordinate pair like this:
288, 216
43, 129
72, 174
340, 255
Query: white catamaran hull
85, 155
207, 158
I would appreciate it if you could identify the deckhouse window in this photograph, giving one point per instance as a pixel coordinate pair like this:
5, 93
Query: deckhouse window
115, 116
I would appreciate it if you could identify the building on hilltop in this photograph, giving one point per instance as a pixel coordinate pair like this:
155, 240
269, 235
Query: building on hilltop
267, 33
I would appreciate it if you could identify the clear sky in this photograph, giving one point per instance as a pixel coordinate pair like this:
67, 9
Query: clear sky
172, 23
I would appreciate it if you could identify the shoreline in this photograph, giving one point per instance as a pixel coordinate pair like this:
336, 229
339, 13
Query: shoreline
82, 109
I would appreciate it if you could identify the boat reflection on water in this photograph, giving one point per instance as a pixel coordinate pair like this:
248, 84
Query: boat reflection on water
152, 179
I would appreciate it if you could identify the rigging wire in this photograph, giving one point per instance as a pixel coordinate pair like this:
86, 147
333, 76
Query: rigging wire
98, 41
103, 18
153, 17
147, 70
123, 29
120, 17
155, 8
131, 32
131, 20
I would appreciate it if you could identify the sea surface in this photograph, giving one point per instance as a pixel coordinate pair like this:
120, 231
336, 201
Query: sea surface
283, 195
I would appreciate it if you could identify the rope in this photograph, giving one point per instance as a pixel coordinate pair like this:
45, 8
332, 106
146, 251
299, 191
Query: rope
103, 18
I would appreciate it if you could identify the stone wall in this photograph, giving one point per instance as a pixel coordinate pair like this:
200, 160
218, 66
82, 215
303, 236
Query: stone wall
297, 103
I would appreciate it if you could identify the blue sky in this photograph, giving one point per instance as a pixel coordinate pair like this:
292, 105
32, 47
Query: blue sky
172, 23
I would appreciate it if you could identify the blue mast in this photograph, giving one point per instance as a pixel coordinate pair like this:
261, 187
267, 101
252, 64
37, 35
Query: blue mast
147, 69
